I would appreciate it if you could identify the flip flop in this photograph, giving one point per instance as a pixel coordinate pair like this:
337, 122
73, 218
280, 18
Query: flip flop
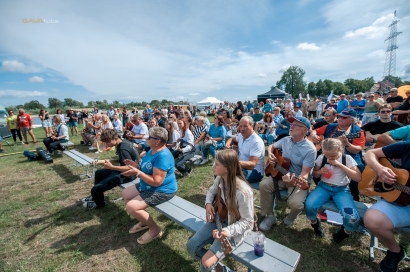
137, 228
146, 238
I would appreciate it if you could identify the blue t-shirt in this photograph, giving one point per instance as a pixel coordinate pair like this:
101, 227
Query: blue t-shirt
343, 104
267, 108
402, 133
216, 132
360, 103
162, 160
400, 150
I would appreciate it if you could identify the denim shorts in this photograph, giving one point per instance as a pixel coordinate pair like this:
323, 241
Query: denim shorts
72, 124
46, 123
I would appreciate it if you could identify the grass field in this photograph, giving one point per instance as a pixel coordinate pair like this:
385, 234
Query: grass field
43, 226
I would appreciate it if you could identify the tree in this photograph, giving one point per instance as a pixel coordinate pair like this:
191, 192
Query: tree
340, 88
320, 88
33, 105
311, 88
292, 81
54, 103
395, 80
329, 86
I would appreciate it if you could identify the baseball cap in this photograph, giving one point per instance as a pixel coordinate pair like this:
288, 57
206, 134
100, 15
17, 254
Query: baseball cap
348, 112
302, 120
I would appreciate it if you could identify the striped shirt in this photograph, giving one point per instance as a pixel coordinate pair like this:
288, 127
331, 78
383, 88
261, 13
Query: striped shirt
198, 131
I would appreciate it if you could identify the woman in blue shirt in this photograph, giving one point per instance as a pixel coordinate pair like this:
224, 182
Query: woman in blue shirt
157, 184
214, 140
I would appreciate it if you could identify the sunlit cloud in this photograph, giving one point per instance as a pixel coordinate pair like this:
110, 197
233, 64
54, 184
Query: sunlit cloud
36, 79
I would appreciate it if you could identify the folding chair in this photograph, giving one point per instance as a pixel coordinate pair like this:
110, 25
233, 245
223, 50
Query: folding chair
5, 134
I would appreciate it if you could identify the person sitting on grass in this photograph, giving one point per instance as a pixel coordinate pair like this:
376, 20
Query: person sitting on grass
214, 140
111, 176
61, 136
140, 130
336, 171
157, 184
251, 150
199, 133
266, 128
117, 124
231, 186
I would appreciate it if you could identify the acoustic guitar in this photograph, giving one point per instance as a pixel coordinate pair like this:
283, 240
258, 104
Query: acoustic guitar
372, 144
337, 134
372, 185
281, 168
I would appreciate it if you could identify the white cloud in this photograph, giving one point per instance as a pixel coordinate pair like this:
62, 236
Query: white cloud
21, 94
275, 42
36, 79
376, 29
406, 73
284, 68
16, 66
260, 75
132, 97
193, 94
308, 47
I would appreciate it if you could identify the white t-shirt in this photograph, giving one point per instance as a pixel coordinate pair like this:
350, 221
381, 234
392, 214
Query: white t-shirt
269, 125
141, 129
63, 130
117, 125
298, 113
253, 146
338, 177
319, 106
189, 138
107, 125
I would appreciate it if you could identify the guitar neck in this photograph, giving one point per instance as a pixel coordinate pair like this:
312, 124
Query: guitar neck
402, 188
281, 169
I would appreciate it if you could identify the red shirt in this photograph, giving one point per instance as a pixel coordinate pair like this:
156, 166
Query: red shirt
24, 120
357, 141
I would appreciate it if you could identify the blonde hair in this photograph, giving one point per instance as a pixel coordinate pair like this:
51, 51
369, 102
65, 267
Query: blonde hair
229, 159
332, 145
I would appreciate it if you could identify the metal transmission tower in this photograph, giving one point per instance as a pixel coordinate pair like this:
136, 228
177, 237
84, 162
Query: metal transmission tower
390, 64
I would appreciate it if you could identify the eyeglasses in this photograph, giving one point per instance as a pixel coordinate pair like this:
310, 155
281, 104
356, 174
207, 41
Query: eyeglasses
327, 115
344, 117
385, 111
150, 137
295, 125
407, 93
371, 96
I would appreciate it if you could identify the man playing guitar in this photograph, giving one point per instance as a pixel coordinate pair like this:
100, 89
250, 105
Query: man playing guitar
353, 147
381, 218
302, 154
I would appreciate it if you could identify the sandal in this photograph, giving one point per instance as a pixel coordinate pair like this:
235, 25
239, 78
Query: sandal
137, 228
146, 238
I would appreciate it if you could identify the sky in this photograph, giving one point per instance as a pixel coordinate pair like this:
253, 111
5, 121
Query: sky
189, 49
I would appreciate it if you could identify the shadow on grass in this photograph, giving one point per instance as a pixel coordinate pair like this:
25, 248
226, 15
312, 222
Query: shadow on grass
65, 172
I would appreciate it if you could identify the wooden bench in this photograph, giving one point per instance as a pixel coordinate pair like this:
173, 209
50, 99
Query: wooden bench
192, 217
66, 144
83, 160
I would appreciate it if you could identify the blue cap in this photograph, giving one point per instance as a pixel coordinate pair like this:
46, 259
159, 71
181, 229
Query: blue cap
302, 120
348, 112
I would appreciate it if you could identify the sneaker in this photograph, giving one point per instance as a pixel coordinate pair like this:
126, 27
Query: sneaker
91, 205
204, 161
1, 151
87, 199
22, 143
288, 221
318, 228
267, 223
340, 235
92, 148
197, 162
15, 143
392, 260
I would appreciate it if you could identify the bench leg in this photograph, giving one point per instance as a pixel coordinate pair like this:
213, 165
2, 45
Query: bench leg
373, 244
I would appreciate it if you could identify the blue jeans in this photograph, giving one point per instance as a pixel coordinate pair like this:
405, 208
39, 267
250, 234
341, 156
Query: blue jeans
252, 176
268, 137
212, 150
342, 198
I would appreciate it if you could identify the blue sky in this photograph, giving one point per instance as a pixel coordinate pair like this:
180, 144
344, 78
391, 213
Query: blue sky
232, 49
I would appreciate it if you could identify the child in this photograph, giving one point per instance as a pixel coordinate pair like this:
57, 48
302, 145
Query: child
336, 171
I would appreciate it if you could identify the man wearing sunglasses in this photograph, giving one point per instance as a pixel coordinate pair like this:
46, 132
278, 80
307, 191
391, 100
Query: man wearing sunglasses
329, 117
346, 123
384, 124
394, 100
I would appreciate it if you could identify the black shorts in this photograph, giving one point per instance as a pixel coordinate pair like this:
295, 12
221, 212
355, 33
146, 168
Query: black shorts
153, 198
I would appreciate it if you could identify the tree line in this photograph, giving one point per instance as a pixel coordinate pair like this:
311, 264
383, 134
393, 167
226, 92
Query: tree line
292, 83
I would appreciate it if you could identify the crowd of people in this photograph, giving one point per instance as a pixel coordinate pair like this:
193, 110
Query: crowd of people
327, 143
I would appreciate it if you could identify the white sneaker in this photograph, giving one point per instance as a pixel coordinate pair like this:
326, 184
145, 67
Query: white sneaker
288, 221
92, 148
204, 161
267, 223
198, 161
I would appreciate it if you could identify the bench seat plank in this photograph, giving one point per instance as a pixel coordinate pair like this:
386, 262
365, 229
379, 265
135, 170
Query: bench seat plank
82, 156
76, 158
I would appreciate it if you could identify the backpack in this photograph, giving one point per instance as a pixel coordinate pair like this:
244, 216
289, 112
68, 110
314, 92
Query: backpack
30, 155
324, 160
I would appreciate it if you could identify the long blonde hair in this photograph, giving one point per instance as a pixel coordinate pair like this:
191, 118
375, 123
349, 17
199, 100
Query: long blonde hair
229, 159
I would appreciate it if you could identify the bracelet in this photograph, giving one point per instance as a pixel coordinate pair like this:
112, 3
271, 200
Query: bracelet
138, 174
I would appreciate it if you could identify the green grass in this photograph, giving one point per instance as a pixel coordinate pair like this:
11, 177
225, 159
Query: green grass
44, 228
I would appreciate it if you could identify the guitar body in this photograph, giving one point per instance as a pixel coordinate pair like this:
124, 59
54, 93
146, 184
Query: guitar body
371, 185
270, 169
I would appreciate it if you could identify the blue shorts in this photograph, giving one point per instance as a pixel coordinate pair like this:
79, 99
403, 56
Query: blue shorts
72, 124
398, 215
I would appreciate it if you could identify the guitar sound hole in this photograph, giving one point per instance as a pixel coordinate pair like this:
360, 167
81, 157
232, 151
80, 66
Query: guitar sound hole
378, 187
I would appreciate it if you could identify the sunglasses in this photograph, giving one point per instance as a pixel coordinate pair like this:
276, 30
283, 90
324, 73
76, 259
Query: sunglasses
344, 117
327, 115
150, 137
371, 96
385, 111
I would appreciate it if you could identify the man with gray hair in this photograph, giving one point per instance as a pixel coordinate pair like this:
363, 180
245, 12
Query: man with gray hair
394, 100
251, 150
140, 130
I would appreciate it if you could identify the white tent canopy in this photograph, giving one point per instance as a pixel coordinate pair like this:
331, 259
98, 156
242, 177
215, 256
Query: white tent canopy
209, 102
